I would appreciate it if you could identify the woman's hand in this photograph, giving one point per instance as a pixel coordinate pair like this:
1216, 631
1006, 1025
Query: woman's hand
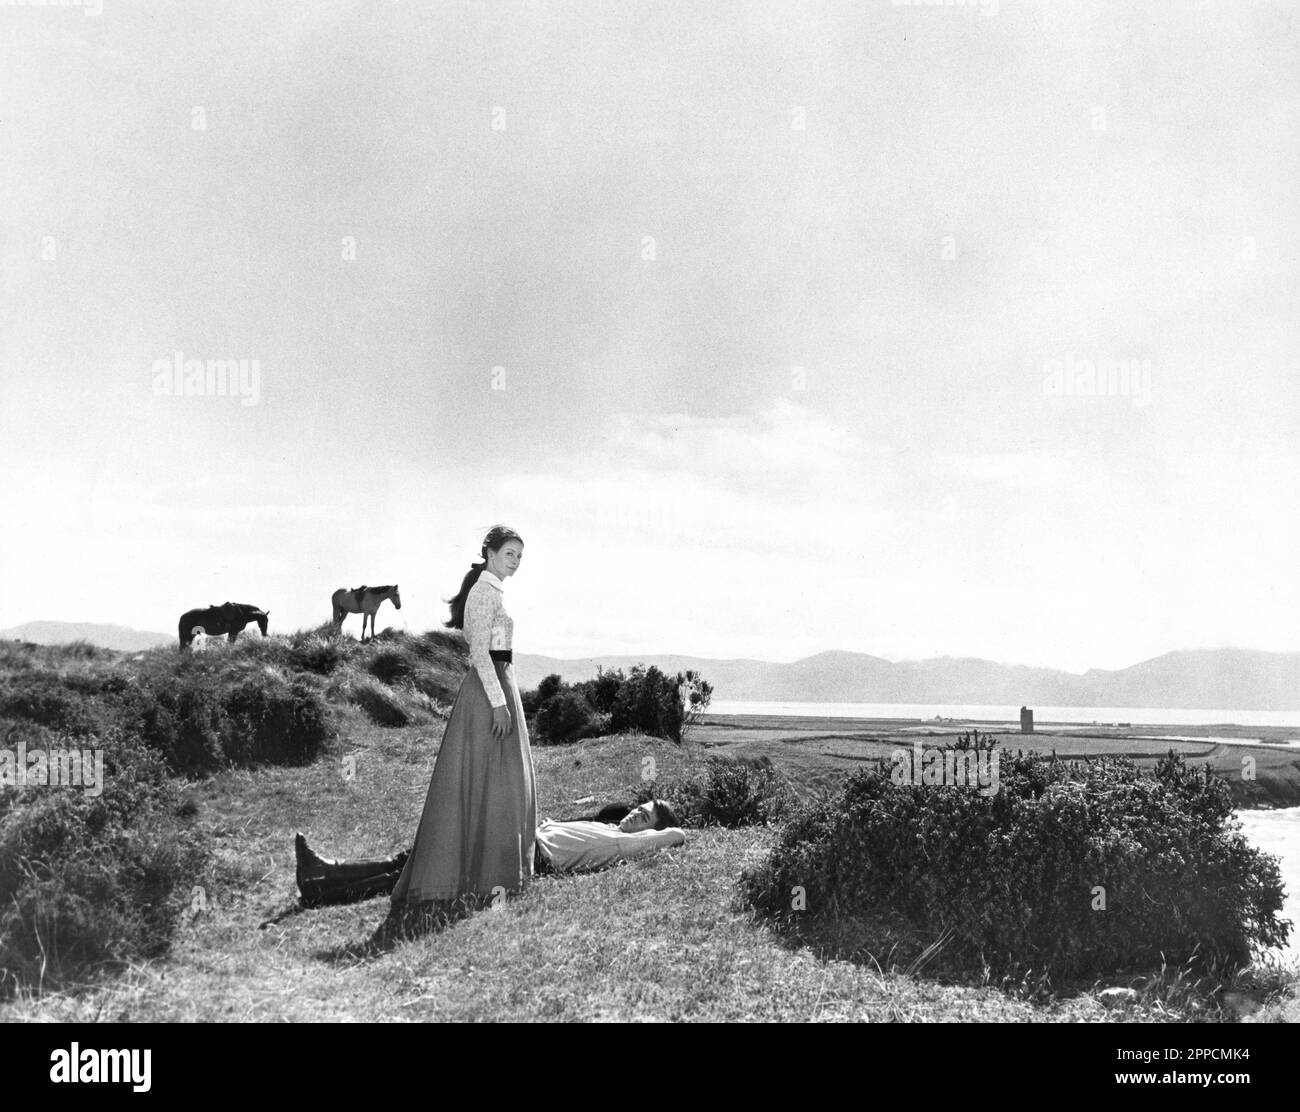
501, 722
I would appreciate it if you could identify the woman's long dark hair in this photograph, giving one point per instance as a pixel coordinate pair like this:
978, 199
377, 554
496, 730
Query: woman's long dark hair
496, 537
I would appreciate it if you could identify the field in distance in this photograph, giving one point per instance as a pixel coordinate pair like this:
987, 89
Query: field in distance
819, 751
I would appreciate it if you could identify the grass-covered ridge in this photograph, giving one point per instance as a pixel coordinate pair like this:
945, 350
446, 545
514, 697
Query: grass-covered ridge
96, 876
257, 701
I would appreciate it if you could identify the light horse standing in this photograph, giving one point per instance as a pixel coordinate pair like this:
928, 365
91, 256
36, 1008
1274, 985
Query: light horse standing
228, 618
364, 601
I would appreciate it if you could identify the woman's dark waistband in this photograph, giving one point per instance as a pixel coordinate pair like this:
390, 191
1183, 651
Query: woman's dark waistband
501, 656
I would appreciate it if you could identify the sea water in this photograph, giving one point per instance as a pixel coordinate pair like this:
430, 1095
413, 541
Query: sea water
1278, 832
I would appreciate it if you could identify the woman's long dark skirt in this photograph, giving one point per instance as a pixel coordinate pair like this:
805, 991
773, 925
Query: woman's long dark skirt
477, 833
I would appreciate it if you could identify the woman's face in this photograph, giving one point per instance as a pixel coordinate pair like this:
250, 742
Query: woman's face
504, 562
641, 818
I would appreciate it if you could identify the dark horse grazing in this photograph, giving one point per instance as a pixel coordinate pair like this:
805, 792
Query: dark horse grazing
364, 601
228, 618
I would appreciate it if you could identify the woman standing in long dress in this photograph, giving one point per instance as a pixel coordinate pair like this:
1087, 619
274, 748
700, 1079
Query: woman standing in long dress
476, 836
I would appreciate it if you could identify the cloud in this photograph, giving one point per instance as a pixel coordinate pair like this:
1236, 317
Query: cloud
1011, 469
783, 447
783, 479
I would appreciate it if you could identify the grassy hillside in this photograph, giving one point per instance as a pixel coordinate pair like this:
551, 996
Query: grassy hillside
665, 938
238, 703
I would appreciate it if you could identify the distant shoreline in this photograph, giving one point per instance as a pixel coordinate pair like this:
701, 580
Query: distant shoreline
993, 714
824, 748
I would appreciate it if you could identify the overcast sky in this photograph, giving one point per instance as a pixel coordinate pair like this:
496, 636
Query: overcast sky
766, 325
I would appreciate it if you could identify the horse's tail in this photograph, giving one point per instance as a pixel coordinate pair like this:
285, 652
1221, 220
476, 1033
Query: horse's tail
185, 635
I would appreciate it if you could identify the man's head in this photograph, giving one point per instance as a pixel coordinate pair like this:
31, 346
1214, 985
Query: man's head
654, 814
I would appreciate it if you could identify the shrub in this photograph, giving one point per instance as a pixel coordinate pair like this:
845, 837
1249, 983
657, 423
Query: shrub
274, 721
559, 712
644, 701
1013, 879
699, 694
90, 880
32, 734
545, 691
17, 656
317, 654
728, 792
203, 717
184, 724
566, 717
602, 692
648, 702
52, 701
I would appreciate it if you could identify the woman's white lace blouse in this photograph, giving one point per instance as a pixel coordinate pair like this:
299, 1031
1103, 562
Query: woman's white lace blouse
487, 626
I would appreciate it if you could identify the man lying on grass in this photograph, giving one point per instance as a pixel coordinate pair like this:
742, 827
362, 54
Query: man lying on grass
616, 833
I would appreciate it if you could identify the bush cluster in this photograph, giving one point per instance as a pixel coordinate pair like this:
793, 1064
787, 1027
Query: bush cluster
200, 714
203, 718
89, 881
1069, 870
52, 701
644, 700
314, 652
274, 721
727, 792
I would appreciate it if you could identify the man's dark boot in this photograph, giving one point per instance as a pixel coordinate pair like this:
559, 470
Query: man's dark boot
334, 882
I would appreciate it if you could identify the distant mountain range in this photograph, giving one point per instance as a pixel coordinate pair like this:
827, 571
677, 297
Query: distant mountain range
97, 633
1203, 679
1208, 679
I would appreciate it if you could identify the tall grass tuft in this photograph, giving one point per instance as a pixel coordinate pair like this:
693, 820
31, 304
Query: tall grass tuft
382, 706
390, 665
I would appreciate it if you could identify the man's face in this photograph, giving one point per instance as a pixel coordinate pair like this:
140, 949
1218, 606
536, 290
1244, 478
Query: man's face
641, 818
